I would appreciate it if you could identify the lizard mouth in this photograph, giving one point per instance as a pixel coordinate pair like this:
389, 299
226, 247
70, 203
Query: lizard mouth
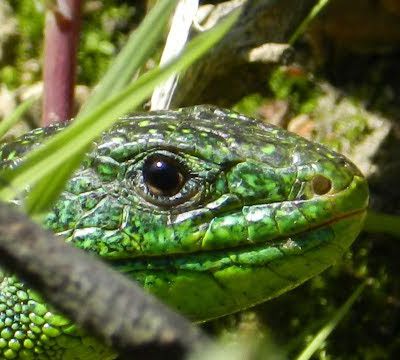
330, 233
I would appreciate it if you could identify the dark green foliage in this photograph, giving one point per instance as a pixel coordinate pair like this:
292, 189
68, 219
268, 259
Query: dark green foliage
105, 26
104, 32
24, 62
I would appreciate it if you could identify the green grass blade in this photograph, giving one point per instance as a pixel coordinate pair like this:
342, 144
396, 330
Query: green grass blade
48, 160
8, 122
136, 51
312, 14
44, 191
323, 334
377, 222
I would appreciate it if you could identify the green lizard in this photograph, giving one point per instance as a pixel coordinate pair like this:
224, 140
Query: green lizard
209, 210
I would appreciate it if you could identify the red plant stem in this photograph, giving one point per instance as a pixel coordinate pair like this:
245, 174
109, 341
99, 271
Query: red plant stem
61, 42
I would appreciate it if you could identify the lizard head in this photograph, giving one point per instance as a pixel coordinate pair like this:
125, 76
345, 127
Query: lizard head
210, 210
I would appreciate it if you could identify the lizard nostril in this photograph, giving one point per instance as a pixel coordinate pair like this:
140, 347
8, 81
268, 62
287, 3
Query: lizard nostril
321, 185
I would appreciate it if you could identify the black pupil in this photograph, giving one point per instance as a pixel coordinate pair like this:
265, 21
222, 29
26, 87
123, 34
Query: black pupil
163, 175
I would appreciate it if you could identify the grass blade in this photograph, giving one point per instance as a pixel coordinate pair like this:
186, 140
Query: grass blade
136, 51
312, 14
331, 325
8, 122
47, 161
177, 38
377, 222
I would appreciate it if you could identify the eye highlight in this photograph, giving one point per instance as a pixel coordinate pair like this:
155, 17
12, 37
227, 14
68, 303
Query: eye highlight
163, 176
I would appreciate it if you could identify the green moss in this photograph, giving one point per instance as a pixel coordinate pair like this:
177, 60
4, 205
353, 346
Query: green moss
9, 76
249, 105
104, 31
30, 18
295, 86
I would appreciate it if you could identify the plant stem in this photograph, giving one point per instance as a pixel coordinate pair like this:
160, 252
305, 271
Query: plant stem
61, 42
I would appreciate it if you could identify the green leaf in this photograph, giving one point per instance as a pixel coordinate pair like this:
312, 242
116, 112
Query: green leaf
8, 122
136, 51
48, 161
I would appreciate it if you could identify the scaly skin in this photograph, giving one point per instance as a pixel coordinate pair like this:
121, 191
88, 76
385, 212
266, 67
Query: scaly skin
249, 223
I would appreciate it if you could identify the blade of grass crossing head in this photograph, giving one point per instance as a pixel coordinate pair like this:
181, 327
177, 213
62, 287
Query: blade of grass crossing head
47, 161
45, 190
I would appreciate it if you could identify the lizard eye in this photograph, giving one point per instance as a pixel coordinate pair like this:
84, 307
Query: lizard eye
164, 179
163, 175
